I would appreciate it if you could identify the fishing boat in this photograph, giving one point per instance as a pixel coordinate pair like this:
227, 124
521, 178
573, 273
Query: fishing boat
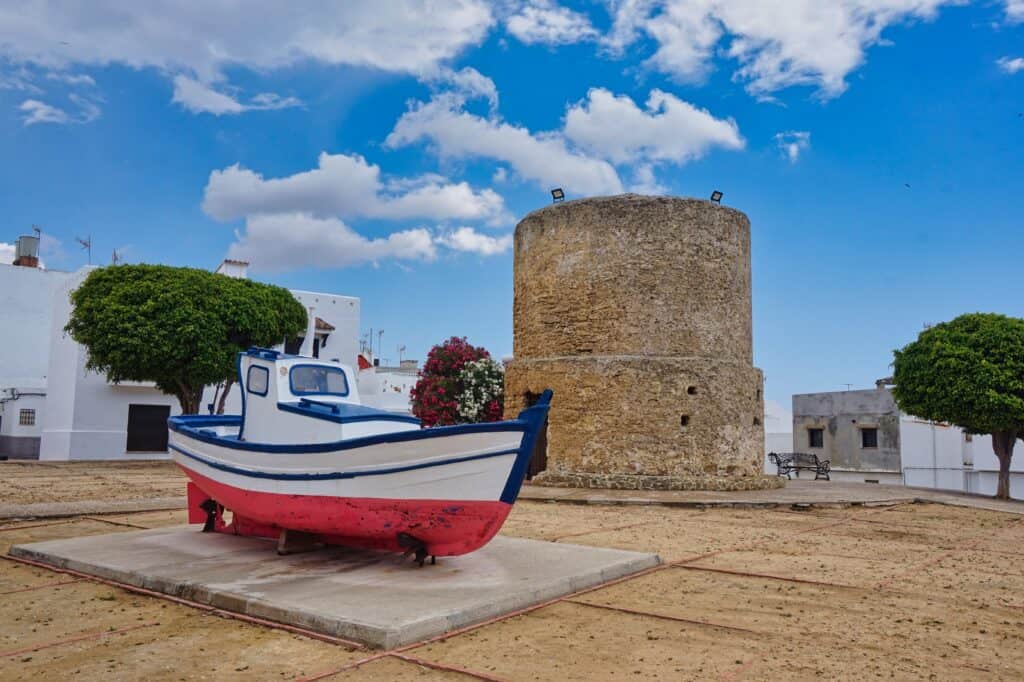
305, 458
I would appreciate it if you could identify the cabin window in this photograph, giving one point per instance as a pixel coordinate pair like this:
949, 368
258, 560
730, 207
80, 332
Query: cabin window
317, 379
869, 438
257, 380
27, 418
815, 438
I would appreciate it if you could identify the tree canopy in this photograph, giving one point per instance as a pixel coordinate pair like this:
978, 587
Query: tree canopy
178, 327
969, 372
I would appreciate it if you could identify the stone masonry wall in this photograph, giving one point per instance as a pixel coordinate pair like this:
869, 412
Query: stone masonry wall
636, 311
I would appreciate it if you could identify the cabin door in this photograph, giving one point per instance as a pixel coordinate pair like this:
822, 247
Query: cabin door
539, 458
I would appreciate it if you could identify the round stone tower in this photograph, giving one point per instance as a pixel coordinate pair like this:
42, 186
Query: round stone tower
636, 310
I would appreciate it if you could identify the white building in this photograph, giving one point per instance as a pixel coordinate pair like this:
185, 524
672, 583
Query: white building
867, 439
778, 431
51, 407
26, 320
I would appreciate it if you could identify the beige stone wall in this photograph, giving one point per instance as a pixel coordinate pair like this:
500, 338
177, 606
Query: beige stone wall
633, 275
636, 311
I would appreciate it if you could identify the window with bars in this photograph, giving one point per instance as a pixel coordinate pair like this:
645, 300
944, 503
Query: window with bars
27, 418
869, 438
815, 438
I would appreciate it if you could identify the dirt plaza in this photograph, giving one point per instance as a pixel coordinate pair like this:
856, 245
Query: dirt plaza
887, 588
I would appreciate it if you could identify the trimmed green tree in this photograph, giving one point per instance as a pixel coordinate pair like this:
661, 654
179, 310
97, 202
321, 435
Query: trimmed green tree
968, 372
181, 328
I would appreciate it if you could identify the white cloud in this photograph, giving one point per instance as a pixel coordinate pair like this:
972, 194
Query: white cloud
200, 39
347, 187
467, 83
468, 239
197, 97
668, 129
18, 79
288, 241
645, 182
73, 79
40, 112
35, 111
540, 157
6, 253
204, 37
1011, 65
88, 109
792, 142
777, 45
544, 22
200, 97
602, 130
1015, 11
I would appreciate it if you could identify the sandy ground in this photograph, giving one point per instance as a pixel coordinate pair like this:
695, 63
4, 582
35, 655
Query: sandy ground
913, 591
28, 482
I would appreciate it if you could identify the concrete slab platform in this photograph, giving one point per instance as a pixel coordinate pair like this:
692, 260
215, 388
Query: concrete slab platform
359, 595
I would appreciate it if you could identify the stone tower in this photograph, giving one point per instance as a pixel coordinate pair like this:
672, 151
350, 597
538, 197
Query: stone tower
636, 310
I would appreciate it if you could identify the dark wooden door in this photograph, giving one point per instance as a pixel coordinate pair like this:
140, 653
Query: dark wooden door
147, 428
539, 458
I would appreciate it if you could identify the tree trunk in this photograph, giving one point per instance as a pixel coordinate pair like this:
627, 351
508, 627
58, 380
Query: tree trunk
224, 395
190, 399
1002, 443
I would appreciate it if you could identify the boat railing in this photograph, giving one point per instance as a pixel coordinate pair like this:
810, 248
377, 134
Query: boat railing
333, 407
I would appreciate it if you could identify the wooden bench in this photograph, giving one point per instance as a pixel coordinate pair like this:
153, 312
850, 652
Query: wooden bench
793, 462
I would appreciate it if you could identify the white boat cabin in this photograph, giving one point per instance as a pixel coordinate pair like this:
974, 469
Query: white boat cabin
291, 400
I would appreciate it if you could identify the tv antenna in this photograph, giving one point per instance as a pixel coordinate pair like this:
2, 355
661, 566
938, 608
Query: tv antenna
116, 258
401, 349
87, 245
38, 230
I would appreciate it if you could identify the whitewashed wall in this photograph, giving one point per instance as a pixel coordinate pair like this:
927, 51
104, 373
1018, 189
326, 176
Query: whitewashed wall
940, 456
26, 315
86, 417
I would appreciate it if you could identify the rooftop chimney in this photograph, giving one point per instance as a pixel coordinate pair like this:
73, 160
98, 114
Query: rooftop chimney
26, 251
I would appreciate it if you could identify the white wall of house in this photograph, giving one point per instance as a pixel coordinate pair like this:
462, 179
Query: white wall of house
343, 313
83, 416
944, 457
387, 390
778, 432
26, 317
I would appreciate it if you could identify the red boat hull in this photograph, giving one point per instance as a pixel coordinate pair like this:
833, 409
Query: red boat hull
446, 527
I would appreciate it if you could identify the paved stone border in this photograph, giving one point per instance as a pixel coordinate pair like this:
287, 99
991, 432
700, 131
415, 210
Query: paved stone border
795, 495
49, 510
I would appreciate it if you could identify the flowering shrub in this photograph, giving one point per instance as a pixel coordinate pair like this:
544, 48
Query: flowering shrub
454, 369
483, 391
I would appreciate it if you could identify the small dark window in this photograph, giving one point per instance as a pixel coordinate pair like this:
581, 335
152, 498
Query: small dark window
815, 438
27, 418
684, 420
869, 438
757, 421
257, 380
147, 428
692, 390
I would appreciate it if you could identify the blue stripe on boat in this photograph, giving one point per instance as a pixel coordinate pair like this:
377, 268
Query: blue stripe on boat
339, 474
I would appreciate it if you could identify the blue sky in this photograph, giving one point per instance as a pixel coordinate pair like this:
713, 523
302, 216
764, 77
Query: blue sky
386, 150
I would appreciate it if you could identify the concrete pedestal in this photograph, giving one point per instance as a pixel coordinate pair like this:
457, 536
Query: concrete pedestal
365, 596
